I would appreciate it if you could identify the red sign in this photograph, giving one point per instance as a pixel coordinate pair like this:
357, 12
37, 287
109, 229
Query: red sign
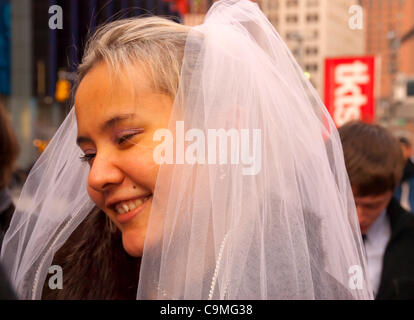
349, 89
179, 5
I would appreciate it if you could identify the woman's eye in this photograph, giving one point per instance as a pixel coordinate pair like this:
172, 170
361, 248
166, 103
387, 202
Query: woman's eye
125, 138
128, 136
87, 157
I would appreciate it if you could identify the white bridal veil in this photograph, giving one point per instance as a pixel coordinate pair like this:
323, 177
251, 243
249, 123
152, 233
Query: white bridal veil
257, 206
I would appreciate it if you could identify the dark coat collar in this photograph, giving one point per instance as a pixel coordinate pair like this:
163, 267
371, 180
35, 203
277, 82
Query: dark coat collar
5, 200
408, 170
399, 218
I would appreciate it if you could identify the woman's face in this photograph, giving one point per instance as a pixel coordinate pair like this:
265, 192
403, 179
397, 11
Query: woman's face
115, 133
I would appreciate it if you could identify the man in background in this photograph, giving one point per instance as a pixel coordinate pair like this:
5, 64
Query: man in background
374, 162
405, 191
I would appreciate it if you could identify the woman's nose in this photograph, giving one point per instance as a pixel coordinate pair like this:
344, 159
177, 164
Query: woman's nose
104, 173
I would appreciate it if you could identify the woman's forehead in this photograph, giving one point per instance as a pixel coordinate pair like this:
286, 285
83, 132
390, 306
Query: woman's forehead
105, 79
102, 88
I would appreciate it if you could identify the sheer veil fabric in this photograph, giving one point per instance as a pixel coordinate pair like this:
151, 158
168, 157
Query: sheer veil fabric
269, 215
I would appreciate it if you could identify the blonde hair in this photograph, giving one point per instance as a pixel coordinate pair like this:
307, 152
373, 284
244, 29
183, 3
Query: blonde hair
157, 43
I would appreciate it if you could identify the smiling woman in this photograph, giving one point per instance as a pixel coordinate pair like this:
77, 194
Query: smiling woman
190, 230
115, 130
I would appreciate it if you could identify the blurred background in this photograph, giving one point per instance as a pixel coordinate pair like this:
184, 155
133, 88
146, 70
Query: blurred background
358, 54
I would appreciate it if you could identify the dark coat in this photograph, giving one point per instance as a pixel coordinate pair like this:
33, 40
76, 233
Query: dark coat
6, 292
397, 278
408, 171
5, 218
408, 178
95, 264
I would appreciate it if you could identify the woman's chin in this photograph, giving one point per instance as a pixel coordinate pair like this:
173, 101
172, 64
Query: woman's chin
133, 243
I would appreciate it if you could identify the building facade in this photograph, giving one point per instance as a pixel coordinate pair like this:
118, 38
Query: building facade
315, 30
389, 27
387, 24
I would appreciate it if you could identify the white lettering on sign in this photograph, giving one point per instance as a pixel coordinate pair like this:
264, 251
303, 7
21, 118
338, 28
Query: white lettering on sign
348, 95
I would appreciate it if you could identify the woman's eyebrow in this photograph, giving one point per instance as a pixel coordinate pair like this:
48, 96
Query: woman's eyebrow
115, 120
80, 140
107, 125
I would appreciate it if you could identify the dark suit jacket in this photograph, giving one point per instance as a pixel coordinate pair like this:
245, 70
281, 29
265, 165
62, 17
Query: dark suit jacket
397, 278
5, 218
6, 292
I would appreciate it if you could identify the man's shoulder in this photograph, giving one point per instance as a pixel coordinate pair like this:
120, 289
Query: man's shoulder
398, 263
408, 173
402, 222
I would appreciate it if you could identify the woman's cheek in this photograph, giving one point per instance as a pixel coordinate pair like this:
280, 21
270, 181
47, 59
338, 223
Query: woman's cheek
97, 198
142, 168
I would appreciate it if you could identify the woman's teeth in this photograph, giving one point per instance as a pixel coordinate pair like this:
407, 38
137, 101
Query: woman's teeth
127, 206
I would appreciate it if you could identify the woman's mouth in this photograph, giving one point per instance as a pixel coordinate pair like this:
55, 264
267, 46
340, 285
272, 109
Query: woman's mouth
127, 210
